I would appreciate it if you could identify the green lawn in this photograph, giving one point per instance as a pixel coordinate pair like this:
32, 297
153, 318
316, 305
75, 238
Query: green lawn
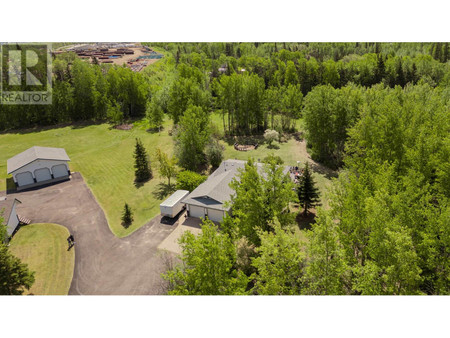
44, 248
104, 156
290, 152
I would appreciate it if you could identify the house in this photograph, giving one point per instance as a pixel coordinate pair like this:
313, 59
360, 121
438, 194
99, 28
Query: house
37, 166
210, 197
9, 215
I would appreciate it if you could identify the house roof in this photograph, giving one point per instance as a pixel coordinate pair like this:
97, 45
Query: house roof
215, 191
36, 153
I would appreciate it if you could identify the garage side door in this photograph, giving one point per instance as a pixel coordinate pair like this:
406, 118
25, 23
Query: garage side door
24, 178
59, 170
42, 174
215, 215
195, 211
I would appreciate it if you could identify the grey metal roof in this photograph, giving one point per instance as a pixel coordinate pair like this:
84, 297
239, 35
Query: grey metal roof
6, 206
36, 153
175, 198
215, 191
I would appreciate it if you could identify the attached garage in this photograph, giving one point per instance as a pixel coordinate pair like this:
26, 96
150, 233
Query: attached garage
215, 215
24, 178
195, 211
59, 170
39, 165
42, 174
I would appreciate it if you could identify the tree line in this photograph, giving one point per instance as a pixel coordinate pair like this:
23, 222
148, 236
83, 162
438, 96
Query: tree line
385, 233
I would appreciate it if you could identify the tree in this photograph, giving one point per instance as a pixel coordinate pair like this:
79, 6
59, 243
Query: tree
214, 153
207, 268
155, 115
191, 138
143, 171
14, 275
186, 92
167, 165
114, 113
127, 216
326, 272
189, 180
291, 76
270, 136
259, 198
308, 193
279, 264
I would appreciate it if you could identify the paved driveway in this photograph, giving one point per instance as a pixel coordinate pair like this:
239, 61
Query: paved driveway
104, 264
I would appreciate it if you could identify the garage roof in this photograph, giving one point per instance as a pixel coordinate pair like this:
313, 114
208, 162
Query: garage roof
36, 153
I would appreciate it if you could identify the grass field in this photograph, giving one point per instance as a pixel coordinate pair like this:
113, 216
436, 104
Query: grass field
104, 156
44, 248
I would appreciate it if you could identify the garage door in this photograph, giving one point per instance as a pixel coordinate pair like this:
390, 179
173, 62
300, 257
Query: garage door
215, 215
196, 211
59, 170
24, 178
42, 174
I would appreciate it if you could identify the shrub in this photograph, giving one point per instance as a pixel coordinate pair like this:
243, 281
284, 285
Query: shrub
189, 180
272, 158
270, 136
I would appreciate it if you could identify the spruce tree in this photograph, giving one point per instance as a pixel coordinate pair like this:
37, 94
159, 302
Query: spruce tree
143, 171
380, 71
127, 216
400, 76
308, 193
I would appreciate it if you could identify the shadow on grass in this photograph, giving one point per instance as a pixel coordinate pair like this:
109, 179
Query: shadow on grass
154, 130
126, 225
163, 190
273, 146
323, 170
139, 184
305, 222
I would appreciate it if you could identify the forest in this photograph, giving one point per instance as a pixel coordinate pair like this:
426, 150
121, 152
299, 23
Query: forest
377, 113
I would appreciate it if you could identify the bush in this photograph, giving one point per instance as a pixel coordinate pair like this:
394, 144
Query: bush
272, 158
189, 180
270, 136
214, 153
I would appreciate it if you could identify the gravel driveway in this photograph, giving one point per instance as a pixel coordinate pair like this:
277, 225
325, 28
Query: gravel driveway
104, 264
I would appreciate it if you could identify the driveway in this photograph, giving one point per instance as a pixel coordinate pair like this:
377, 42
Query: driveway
104, 264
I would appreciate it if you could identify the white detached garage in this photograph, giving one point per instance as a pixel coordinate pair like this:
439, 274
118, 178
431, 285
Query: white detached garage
39, 165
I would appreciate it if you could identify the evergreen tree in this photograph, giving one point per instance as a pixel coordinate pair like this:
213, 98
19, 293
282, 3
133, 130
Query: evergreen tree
308, 193
380, 71
400, 76
127, 215
143, 171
